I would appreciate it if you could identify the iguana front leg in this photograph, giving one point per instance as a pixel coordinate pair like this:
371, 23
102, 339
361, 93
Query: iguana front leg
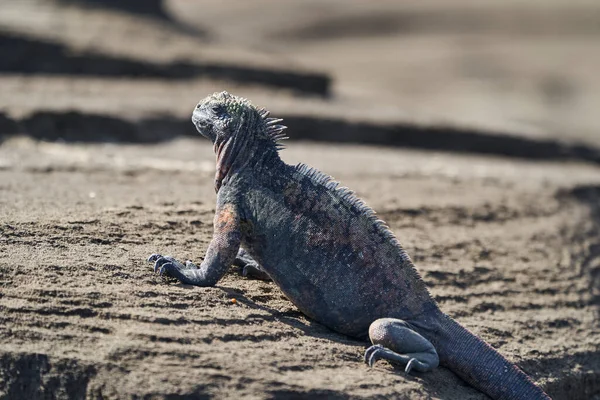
221, 252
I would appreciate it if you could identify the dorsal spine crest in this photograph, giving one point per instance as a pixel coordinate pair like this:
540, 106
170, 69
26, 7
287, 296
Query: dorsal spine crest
348, 197
273, 129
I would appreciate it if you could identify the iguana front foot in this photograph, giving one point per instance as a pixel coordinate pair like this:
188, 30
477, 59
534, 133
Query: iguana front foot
169, 266
395, 340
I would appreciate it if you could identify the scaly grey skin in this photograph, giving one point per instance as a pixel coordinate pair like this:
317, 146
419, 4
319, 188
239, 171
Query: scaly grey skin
328, 253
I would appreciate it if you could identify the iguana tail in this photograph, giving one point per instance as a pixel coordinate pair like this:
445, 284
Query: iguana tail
480, 365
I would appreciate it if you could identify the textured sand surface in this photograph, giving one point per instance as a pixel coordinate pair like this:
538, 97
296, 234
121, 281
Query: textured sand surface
510, 249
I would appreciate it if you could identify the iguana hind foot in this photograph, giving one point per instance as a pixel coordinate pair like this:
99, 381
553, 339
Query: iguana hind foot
394, 340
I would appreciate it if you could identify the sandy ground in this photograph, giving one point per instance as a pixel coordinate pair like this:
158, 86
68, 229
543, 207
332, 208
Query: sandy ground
508, 248
502, 219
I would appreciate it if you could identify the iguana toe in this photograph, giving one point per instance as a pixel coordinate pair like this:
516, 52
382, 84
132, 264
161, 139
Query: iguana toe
159, 262
410, 364
153, 258
164, 265
164, 269
381, 353
378, 352
399, 343
369, 352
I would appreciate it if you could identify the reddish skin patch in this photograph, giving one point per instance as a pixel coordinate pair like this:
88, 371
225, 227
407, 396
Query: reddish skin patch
222, 168
226, 219
226, 240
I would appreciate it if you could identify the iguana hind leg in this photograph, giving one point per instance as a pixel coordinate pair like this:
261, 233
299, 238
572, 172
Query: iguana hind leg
396, 341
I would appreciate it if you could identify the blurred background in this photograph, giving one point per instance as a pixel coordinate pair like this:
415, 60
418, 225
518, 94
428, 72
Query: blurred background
486, 76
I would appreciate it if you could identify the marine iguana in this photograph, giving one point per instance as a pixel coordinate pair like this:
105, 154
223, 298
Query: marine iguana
328, 253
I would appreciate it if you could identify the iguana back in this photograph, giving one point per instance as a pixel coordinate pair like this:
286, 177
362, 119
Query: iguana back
326, 249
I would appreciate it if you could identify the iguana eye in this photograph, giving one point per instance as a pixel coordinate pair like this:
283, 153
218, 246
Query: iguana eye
217, 108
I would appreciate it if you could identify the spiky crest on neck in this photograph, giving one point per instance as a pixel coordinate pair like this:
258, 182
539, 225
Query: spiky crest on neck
253, 136
273, 128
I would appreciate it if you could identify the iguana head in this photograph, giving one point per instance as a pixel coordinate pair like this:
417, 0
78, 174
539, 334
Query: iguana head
221, 114
240, 132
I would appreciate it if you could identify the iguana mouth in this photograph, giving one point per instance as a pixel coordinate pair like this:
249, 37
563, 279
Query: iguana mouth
198, 118
202, 124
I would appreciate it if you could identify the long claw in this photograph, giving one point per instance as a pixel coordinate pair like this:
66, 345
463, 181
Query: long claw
374, 357
409, 365
168, 266
369, 354
376, 354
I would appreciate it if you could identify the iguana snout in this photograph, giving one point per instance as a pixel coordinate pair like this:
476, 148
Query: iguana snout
204, 117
